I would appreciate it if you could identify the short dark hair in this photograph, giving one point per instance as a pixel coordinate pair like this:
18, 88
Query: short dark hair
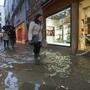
36, 18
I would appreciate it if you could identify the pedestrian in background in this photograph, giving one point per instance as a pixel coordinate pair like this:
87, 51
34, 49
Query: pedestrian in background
6, 39
12, 36
35, 35
1, 36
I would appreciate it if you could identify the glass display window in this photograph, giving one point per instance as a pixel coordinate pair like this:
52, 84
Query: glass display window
58, 28
84, 25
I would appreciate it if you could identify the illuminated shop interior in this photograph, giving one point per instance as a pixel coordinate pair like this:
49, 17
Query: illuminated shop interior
84, 25
58, 28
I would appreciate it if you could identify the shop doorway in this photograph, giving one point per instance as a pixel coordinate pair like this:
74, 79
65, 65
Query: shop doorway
21, 34
84, 25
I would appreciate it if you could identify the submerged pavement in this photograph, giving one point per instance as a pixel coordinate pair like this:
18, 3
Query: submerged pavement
56, 71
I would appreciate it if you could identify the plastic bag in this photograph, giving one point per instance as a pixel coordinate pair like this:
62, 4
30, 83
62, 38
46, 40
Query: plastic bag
44, 43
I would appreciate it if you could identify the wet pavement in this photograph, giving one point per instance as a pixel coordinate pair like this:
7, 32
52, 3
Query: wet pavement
56, 71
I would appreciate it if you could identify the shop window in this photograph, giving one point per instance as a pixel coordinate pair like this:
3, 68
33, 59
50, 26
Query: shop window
84, 25
58, 28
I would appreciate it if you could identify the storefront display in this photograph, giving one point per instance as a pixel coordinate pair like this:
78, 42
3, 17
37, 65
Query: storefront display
58, 28
84, 25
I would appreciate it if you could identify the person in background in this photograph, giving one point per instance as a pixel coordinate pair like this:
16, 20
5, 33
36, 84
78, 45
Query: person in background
35, 28
12, 36
1, 36
6, 39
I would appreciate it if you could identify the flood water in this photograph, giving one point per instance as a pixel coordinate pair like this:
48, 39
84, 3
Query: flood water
56, 71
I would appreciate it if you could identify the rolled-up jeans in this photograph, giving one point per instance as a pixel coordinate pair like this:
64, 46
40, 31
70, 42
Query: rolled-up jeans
36, 48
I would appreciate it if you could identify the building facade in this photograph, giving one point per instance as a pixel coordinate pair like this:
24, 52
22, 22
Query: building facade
67, 22
8, 10
19, 14
16, 15
2, 17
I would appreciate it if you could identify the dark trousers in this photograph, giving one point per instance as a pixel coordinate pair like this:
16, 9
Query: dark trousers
1, 39
12, 41
6, 43
37, 47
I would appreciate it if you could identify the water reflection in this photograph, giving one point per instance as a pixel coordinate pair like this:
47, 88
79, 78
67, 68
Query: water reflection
37, 85
30, 86
26, 86
11, 82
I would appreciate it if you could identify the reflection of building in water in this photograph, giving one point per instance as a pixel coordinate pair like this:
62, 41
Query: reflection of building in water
11, 82
30, 86
37, 85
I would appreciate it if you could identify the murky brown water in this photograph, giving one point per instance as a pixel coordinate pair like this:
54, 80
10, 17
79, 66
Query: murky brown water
55, 72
